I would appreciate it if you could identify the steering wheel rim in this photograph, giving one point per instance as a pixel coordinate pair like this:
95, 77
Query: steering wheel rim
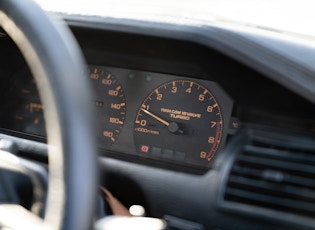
57, 65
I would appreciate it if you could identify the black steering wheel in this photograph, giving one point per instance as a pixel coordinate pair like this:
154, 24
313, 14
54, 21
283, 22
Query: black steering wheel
57, 65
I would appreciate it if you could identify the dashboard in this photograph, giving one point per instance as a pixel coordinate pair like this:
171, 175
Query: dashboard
156, 111
210, 130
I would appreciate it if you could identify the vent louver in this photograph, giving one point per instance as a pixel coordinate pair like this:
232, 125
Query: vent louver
274, 172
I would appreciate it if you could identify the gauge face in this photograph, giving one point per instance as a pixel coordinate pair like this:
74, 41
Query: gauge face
110, 103
30, 117
179, 120
24, 111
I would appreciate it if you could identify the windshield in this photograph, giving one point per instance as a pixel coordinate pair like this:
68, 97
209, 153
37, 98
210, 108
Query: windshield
293, 17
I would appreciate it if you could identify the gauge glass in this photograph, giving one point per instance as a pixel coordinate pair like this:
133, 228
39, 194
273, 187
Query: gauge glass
179, 120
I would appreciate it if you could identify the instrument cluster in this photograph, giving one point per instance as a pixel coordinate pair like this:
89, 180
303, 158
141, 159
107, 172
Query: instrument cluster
149, 115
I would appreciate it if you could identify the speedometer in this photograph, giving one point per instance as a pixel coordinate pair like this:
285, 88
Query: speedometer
180, 120
110, 103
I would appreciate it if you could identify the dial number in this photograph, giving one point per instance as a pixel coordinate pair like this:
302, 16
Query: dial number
110, 104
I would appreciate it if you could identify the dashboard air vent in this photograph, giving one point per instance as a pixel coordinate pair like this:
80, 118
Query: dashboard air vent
275, 172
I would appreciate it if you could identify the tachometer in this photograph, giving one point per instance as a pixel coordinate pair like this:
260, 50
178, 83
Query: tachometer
110, 103
180, 120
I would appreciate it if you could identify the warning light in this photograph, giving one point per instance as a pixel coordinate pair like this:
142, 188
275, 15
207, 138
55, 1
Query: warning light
144, 148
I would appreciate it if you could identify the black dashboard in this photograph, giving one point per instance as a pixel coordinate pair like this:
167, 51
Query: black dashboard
196, 96
171, 110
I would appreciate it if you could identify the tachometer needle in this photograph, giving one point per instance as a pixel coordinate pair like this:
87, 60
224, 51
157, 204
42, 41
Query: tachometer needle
156, 117
173, 127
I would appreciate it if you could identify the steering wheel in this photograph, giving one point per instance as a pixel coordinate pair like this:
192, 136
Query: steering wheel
57, 66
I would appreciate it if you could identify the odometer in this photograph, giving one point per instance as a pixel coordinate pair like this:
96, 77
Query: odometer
180, 120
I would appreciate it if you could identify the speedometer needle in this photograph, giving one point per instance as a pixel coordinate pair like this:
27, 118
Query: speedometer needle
156, 117
173, 127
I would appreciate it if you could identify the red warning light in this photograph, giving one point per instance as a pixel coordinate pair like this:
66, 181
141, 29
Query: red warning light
144, 148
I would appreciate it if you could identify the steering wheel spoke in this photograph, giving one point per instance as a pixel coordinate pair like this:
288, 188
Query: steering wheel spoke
14, 216
36, 173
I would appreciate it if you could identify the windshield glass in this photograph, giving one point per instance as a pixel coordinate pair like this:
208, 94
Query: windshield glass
294, 17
